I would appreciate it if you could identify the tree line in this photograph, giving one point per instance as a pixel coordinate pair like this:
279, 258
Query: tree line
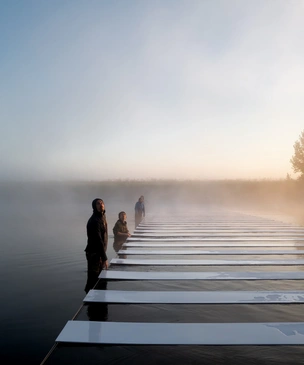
297, 160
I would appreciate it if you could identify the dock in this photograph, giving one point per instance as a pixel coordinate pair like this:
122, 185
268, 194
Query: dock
179, 287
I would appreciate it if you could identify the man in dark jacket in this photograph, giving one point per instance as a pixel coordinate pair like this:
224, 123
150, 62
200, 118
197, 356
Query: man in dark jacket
121, 232
139, 211
97, 232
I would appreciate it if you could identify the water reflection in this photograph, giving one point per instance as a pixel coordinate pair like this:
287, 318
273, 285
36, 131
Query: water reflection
98, 311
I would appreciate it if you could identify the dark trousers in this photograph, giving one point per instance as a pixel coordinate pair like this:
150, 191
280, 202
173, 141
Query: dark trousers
118, 246
94, 269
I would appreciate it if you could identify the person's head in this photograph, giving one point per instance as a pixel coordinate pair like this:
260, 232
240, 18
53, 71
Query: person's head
98, 205
141, 199
122, 216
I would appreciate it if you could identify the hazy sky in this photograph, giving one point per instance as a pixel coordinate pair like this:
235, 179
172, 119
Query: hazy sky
95, 89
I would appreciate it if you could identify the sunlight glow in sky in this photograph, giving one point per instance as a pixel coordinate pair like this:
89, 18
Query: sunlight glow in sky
207, 89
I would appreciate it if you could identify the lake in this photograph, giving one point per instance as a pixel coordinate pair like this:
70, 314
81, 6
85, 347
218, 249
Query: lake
43, 266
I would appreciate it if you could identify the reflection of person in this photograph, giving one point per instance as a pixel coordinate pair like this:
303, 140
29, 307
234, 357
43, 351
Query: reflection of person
98, 311
139, 211
121, 232
97, 232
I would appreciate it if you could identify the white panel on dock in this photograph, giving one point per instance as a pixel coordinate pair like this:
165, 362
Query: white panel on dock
222, 223
218, 231
203, 252
217, 226
126, 333
213, 244
206, 262
221, 235
202, 219
212, 239
154, 275
194, 297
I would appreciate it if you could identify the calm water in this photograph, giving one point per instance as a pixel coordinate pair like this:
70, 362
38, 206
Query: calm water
42, 272
42, 277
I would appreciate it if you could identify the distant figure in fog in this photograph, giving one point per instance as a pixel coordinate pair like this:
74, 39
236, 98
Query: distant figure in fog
97, 232
139, 211
121, 232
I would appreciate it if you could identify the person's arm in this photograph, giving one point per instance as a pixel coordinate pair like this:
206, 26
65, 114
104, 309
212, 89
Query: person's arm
105, 264
144, 213
125, 234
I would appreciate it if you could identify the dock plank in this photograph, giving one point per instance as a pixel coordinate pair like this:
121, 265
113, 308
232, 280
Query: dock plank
196, 275
223, 334
195, 297
161, 262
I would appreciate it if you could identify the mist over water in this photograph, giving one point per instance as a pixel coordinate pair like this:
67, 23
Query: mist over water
42, 235
187, 88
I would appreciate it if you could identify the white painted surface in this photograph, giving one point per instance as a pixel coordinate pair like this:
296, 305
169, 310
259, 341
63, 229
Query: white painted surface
216, 224
206, 262
218, 231
204, 252
203, 218
127, 333
222, 234
150, 275
195, 297
213, 239
212, 244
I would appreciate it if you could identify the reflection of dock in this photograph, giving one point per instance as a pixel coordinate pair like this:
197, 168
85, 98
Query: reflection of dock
168, 290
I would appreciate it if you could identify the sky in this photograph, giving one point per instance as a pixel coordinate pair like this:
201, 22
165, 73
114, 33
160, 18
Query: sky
169, 89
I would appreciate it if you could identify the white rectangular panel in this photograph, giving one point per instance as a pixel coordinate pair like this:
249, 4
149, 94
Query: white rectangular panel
227, 224
212, 239
194, 297
218, 231
220, 234
203, 252
154, 275
219, 220
206, 262
243, 244
126, 333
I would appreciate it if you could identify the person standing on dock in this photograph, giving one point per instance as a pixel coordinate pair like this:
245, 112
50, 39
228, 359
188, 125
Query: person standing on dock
97, 232
139, 210
121, 231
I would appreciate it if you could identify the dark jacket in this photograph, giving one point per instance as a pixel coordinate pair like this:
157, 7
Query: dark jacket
97, 232
140, 209
122, 228
119, 240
